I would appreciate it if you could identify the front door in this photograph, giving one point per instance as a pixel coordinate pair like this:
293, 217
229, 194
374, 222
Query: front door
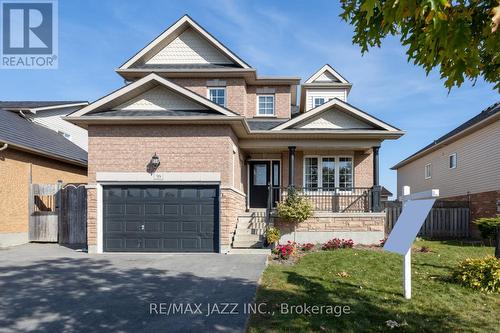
260, 176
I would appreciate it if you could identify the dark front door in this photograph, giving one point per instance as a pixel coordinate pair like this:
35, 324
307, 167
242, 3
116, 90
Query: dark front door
161, 218
263, 174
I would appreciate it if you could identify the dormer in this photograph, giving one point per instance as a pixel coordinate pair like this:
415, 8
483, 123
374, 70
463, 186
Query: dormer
322, 86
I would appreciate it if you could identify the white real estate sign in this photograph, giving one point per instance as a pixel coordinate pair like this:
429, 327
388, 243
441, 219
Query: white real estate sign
416, 207
408, 225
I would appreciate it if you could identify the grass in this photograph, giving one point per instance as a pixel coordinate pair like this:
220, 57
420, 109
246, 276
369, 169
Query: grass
373, 291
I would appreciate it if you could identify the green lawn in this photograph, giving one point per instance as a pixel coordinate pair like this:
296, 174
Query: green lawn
373, 291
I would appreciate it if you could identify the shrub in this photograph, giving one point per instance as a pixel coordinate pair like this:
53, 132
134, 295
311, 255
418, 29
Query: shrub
482, 274
337, 243
306, 247
273, 235
285, 251
487, 226
295, 208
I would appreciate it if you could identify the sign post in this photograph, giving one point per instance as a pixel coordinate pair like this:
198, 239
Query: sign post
416, 207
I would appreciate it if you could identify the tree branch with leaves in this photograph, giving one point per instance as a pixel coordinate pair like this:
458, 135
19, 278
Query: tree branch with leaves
460, 38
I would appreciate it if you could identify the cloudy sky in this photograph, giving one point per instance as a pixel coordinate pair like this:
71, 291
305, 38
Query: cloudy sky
276, 37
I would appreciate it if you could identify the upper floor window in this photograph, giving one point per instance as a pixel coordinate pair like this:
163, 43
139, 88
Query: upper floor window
217, 95
318, 101
452, 161
428, 171
265, 105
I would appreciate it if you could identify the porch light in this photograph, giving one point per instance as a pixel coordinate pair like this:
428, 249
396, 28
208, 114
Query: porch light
155, 161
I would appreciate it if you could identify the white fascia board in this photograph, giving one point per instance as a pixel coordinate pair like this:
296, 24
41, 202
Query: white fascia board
184, 20
152, 77
327, 106
60, 106
326, 68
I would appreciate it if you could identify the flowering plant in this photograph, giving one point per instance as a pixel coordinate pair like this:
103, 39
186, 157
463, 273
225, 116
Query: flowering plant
286, 250
337, 243
306, 247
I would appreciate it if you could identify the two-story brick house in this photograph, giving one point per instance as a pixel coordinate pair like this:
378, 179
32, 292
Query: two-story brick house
189, 154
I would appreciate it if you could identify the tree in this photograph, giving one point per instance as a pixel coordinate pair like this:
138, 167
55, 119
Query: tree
461, 38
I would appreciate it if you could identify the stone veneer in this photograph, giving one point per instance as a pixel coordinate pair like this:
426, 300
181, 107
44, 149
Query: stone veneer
363, 228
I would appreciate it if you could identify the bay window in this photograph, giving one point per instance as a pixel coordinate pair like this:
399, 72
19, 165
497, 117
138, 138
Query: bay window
328, 173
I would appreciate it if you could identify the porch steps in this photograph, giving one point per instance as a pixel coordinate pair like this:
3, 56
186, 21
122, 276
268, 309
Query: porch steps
250, 230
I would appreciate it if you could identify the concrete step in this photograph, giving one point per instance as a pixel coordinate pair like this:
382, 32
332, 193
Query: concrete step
259, 225
250, 231
247, 237
248, 219
247, 244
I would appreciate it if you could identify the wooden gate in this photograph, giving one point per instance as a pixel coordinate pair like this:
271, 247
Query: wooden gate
58, 213
43, 208
447, 219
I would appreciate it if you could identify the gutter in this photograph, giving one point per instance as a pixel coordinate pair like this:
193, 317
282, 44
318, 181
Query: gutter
5, 146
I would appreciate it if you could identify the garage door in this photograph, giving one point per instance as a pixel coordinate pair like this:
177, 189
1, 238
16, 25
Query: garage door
161, 218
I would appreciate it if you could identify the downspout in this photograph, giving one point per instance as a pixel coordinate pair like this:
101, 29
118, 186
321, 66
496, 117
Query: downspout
5, 146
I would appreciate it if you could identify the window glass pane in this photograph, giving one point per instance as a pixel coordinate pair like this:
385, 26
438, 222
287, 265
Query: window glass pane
217, 95
276, 174
318, 101
328, 170
345, 173
260, 174
311, 172
266, 105
453, 161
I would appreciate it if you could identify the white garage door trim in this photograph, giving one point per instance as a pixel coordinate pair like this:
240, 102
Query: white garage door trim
142, 178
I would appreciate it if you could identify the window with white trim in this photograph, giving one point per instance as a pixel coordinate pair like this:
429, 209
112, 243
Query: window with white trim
428, 171
329, 173
318, 101
265, 105
217, 95
452, 161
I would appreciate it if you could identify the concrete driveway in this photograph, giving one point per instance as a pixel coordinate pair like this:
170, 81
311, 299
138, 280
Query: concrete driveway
49, 288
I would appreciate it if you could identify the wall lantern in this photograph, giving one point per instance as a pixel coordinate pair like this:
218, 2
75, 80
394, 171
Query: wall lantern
155, 161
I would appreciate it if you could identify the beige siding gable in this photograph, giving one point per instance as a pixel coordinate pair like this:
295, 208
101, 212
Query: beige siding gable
326, 77
189, 48
160, 98
333, 119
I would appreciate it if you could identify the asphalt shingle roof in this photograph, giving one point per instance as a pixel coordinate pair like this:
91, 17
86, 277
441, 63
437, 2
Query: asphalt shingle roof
34, 104
264, 125
486, 113
18, 131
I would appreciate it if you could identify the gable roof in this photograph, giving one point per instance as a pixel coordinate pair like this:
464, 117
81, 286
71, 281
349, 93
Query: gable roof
128, 92
344, 106
326, 69
26, 135
174, 31
35, 106
484, 115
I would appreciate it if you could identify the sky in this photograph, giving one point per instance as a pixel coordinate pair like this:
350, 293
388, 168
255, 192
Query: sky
291, 38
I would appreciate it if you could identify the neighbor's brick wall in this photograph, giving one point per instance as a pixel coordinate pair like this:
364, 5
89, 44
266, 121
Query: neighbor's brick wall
232, 205
14, 184
336, 222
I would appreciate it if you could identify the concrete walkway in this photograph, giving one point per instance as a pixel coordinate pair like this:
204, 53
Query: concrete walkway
49, 288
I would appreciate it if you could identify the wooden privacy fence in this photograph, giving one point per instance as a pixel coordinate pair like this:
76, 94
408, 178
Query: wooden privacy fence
447, 219
58, 213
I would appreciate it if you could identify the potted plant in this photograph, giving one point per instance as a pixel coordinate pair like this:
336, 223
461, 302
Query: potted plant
273, 235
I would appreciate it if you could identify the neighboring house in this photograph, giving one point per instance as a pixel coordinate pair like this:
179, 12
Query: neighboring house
31, 154
50, 114
463, 164
385, 194
182, 158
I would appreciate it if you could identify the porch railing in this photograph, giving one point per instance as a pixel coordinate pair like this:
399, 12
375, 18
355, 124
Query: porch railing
332, 199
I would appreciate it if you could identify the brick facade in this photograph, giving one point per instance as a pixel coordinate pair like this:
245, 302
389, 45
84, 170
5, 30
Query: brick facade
16, 169
241, 98
181, 148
